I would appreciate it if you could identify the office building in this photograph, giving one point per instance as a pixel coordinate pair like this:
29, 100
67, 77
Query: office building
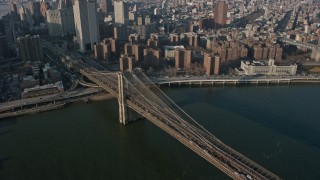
65, 4
106, 6
13, 11
25, 16
44, 7
11, 35
30, 48
86, 24
4, 49
34, 8
121, 14
144, 31
61, 21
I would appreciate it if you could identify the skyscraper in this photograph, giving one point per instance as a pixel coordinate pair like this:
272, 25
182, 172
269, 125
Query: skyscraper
4, 50
13, 11
65, 4
106, 6
220, 12
25, 16
120, 12
13, 8
86, 23
22, 12
44, 6
61, 21
34, 8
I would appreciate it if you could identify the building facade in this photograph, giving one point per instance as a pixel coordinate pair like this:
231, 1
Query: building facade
106, 6
220, 12
121, 14
60, 22
86, 24
30, 48
266, 68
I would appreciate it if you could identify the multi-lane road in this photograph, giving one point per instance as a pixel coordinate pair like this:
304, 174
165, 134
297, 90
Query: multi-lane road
234, 79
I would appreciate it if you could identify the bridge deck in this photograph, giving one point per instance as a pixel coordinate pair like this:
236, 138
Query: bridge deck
204, 144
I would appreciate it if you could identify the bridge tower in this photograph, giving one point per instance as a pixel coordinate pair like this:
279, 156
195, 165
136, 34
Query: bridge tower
126, 114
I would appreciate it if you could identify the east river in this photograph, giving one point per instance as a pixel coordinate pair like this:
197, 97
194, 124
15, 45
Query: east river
276, 126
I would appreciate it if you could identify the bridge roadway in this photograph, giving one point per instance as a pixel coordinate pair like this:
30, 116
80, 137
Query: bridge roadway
48, 98
201, 142
235, 80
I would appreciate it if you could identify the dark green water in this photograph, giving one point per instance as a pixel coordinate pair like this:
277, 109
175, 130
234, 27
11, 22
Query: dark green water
278, 127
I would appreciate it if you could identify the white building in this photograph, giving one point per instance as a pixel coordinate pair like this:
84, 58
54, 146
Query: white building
86, 23
265, 68
121, 14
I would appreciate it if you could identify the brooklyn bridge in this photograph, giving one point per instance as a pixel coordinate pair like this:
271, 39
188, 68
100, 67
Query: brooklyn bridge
138, 98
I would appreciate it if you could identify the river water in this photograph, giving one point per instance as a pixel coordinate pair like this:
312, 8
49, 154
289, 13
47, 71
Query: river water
278, 127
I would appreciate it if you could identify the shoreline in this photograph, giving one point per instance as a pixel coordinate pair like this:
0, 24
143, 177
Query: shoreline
108, 96
232, 84
55, 106
203, 81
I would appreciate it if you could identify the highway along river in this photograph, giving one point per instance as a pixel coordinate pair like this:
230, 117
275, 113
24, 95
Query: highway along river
278, 127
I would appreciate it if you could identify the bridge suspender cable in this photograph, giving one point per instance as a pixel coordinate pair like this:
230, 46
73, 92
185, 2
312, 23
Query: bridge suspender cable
178, 107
